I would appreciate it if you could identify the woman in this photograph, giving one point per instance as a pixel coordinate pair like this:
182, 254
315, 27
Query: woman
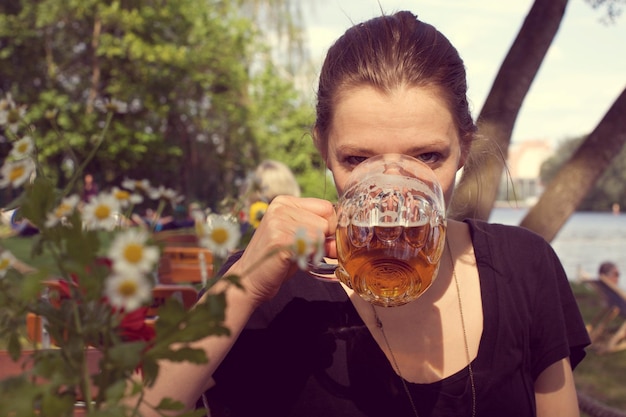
498, 332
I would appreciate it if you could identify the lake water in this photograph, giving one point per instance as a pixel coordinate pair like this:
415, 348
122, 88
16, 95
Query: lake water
585, 241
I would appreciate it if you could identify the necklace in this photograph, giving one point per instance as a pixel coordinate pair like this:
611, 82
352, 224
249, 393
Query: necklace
394, 362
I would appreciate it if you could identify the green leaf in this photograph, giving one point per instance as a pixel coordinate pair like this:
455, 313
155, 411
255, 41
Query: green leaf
170, 404
31, 285
14, 346
116, 391
186, 354
53, 404
127, 354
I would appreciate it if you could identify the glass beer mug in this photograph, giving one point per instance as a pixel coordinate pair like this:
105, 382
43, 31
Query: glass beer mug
391, 229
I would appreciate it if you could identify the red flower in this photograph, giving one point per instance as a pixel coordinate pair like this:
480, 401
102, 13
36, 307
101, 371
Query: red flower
134, 327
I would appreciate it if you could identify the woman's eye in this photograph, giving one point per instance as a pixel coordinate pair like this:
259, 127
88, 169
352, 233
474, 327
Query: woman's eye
429, 157
354, 160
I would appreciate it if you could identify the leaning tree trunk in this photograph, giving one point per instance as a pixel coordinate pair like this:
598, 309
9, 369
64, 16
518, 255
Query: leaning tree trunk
595, 408
574, 180
476, 192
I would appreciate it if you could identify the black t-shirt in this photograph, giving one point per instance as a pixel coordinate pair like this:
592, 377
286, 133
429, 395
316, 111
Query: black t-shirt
308, 353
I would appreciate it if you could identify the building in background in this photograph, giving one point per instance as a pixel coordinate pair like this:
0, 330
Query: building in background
522, 182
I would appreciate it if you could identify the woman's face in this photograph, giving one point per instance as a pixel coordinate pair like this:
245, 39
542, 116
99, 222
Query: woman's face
413, 121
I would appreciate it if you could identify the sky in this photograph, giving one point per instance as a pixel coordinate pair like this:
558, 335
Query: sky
580, 78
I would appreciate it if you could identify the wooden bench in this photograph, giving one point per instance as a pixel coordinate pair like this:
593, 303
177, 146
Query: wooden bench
185, 265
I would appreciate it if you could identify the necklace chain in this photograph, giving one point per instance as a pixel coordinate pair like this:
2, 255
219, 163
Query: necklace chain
394, 362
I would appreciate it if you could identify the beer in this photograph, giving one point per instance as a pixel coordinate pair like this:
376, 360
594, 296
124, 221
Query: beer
389, 265
390, 229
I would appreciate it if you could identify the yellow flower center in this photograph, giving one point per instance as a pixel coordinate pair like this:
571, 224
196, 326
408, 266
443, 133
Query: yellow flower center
62, 209
16, 173
122, 195
102, 212
23, 147
133, 252
127, 288
300, 247
4, 264
219, 236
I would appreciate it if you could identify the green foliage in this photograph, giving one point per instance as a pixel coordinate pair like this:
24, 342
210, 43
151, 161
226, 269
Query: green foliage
611, 186
78, 310
282, 126
196, 116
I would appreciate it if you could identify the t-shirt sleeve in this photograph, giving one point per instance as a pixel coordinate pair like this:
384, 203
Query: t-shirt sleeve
530, 286
557, 330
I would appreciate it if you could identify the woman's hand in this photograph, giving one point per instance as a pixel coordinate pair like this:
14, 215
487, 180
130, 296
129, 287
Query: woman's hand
266, 262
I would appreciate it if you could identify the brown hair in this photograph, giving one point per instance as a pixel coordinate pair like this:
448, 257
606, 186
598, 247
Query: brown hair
607, 267
388, 52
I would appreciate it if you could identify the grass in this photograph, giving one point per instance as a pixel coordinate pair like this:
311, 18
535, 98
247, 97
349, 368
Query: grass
601, 376
21, 248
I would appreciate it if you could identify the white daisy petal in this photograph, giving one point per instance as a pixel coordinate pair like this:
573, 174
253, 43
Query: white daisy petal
127, 291
22, 148
301, 248
64, 209
162, 193
129, 252
125, 198
10, 113
16, 173
136, 185
100, 212
6, 262
318, 254
220, 235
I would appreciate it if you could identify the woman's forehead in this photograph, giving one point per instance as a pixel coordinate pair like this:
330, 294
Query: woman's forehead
411, 117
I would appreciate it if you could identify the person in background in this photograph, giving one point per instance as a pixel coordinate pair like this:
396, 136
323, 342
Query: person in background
90, 188
270, 179
185, 217
609, 271
498, 332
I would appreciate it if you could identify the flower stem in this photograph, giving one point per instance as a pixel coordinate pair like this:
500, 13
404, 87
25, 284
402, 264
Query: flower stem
92, 154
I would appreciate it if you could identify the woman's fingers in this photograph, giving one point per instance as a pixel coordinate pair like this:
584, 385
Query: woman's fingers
269, 259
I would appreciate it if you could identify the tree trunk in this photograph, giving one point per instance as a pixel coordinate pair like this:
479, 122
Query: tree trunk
574, 180
595, 408
478, 187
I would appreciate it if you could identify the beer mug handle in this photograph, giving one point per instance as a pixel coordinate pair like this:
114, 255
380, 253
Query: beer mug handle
324, 271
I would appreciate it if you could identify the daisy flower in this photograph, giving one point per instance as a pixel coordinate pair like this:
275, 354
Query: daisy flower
302, 248
126, 198
163, 193
111, 105
64, 209
134, 185
6, 262
100, 212
130, 253
22, 148
318, 251
127, 291
10, 114
220, 236
16, 173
